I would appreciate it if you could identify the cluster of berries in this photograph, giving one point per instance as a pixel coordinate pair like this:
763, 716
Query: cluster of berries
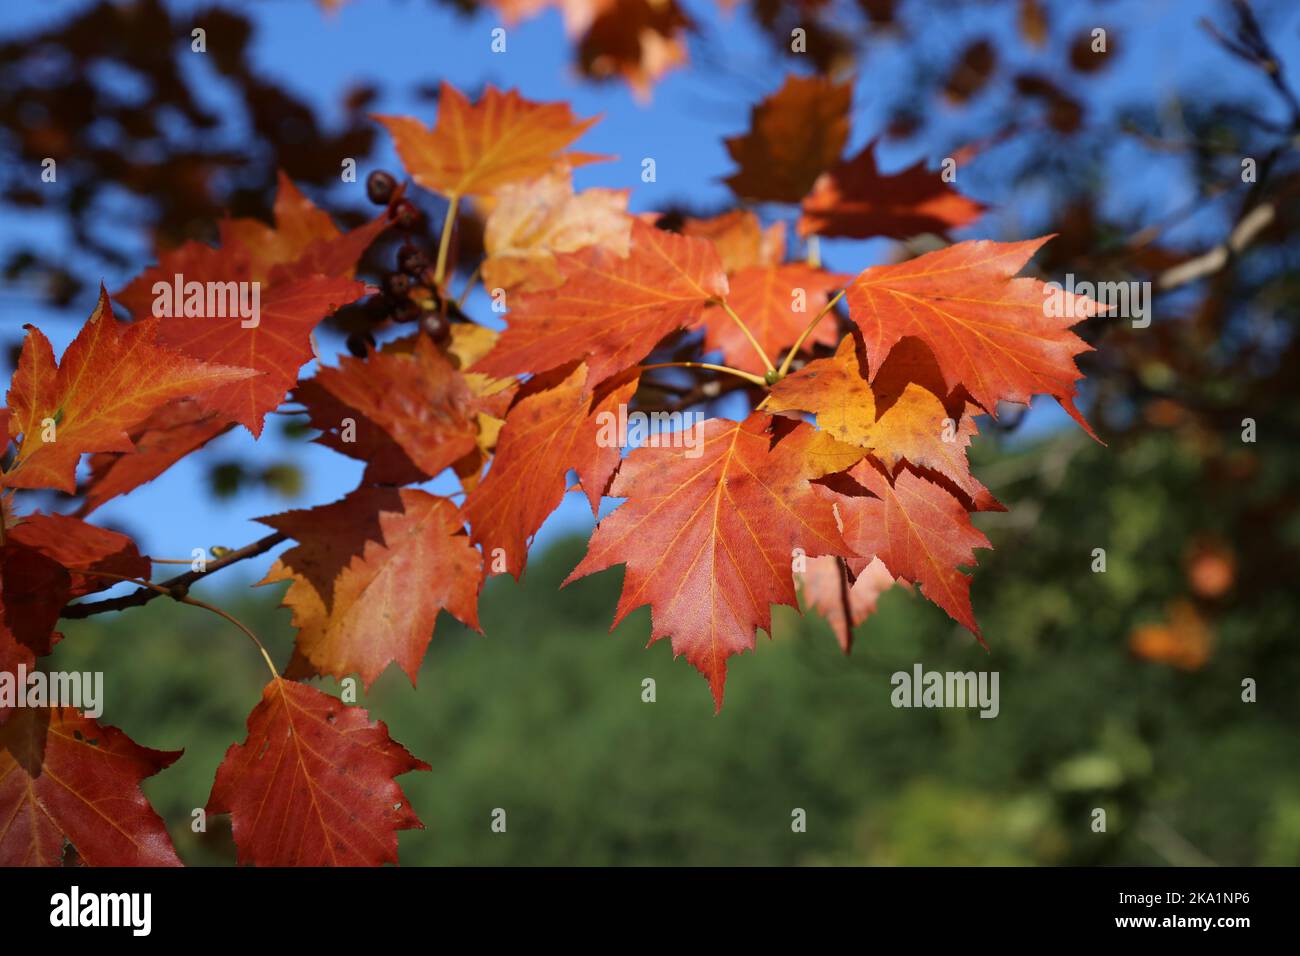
410, 293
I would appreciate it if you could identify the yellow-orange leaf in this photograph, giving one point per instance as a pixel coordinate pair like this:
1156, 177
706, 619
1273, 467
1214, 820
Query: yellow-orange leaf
913, 425
533, 221
476, 149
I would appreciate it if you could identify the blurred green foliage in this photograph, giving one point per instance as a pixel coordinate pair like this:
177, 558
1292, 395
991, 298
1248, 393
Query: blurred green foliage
544, 715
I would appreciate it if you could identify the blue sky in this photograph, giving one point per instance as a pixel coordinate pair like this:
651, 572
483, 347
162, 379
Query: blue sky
403, 44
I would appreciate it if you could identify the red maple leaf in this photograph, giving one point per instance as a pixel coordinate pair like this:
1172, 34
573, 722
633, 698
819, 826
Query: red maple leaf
709, 538
313, 785
854, 200
65, 778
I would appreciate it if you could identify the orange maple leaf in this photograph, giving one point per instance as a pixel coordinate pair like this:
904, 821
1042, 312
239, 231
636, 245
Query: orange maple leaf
303, 269
111, 378
475, 150
919, 530
277, 347
547, 432
992, 333
610, 311
415, 400
914, 425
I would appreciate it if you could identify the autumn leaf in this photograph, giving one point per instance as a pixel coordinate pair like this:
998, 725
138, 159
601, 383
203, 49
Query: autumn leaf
853, 200
844, 602
611, 310
776, 303
636, 40
33, 590
918, 429
794, 135
834, 390
708, 535
65, 778
370, 574
304, 240
313, 784
164, 438
913, 425
920, 531
111, 378
476, 149
46, 560
992, 333
414, 400
741, 240
545, 434
303, 271
533, 221
82, 549
277, 348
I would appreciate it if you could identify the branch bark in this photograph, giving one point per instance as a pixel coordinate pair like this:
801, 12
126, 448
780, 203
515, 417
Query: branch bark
177, 587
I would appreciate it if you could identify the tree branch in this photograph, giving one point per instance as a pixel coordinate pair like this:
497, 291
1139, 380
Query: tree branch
177, 587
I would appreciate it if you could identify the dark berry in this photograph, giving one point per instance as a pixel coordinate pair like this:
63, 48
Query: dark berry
435, 327
360, 343
412, 261
405, 312
404, 214
379, 187
397, 284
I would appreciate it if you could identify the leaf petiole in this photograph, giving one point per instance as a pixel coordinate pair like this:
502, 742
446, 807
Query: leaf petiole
727, 369
794, 349
767, 362
444, 240
186, 599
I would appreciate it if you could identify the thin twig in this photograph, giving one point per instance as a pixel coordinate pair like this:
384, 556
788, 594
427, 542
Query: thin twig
176, 587
767, 362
